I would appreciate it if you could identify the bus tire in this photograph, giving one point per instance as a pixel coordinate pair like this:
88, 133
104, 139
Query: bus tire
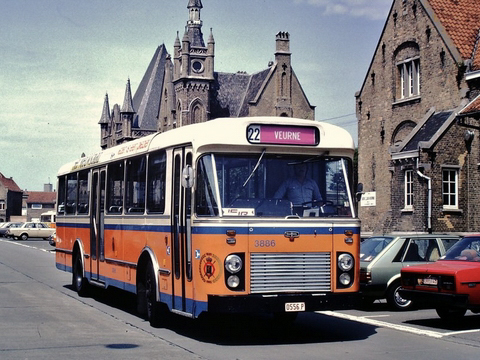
153, 308
79, 282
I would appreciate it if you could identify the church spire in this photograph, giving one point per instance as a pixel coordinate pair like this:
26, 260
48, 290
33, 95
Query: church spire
105, 119
194, 23
127, 101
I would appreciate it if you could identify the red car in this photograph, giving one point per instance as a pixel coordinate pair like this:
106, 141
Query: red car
451, 285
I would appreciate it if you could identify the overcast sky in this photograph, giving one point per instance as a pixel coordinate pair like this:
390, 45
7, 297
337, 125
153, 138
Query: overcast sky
60, 57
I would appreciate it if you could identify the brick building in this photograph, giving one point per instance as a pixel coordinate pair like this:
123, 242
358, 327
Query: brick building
418, 114
10, 199
184, 88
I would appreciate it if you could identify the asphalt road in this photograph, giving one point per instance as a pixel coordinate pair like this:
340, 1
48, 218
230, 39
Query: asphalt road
41, 317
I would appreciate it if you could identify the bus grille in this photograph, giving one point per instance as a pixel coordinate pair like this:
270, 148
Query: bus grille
292, 272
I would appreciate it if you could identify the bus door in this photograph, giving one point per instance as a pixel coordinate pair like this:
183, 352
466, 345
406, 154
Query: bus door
181, 230
97, 223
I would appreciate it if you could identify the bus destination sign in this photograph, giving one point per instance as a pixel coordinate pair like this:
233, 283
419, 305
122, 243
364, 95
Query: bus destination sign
282, 135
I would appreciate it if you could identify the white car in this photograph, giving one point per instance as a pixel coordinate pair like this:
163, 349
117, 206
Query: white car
30, 229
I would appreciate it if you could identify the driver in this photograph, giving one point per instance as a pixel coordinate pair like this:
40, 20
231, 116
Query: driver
299, 189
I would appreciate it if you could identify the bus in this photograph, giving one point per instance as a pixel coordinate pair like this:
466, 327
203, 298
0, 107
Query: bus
48, 218
193, 220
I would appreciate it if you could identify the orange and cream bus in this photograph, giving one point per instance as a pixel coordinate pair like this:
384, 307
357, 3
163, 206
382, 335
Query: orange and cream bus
207, 218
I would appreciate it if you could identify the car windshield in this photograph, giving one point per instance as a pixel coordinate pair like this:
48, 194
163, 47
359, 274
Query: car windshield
273, 185
467, 249
373, 246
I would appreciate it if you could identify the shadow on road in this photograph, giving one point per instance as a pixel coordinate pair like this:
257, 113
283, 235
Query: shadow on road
246, 329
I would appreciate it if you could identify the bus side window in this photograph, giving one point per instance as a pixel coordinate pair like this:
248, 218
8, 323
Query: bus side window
61, 196
156, 183
135, 185
83, 193
115, 188
70, 205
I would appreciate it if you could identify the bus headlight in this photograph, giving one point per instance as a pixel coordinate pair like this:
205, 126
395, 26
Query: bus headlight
344, 279
233, 264
345, 262
233, 281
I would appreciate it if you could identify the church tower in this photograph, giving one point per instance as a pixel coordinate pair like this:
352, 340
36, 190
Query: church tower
193, 71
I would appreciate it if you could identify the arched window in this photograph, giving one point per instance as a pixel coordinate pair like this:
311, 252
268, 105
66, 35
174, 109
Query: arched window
407, 61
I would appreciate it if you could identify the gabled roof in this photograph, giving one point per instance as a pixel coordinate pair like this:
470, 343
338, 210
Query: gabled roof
426, 134
146, 100
461, 21
41, 197
9, 183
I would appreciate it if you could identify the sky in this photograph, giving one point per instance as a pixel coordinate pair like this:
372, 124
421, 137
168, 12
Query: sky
60, 57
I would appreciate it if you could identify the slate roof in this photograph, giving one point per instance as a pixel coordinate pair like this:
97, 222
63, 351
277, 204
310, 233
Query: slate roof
428, 130
146, 100
9, 183
461, 20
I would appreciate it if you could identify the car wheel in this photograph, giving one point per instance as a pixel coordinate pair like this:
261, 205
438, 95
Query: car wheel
450, 314
394, 299
24, 237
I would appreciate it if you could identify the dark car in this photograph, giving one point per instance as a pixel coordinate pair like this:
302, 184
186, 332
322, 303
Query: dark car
7, 226
451, 285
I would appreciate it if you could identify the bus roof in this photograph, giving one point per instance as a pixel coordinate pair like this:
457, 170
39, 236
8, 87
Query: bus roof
222, 131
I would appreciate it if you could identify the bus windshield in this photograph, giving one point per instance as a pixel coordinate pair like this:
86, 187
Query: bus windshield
273, 185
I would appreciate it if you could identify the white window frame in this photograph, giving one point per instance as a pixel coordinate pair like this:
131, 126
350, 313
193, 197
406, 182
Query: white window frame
450, 188
2, 205
409, 72
408, 190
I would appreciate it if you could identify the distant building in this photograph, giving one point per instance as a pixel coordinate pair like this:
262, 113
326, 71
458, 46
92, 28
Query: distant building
184, 88
418, 114
10, 199
38, 202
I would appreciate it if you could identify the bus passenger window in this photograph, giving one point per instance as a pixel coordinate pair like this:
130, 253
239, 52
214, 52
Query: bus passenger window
115, 188
205, 200
83, 193
135, 186
156, 183
71, 194
61, 196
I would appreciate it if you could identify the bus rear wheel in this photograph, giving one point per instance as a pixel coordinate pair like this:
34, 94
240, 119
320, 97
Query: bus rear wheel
79, 282
148, 297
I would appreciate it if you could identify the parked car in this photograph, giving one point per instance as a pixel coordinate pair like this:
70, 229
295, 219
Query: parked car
382, 258
52, 239
451, 285
30, 229
8, 225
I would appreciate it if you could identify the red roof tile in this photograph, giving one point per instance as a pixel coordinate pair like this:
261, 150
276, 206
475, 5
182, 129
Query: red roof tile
461, 20
471, 108
9, 183
41, 197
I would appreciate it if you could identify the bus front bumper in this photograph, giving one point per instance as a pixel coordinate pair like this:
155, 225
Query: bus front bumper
279, 303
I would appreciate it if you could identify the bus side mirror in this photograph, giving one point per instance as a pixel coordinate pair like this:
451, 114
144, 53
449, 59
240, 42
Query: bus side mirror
359, 192
187, 177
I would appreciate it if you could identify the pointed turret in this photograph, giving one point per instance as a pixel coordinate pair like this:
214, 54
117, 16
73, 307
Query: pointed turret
127, 101
105, 119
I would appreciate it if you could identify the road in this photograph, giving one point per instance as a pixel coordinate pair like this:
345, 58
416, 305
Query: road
43, 318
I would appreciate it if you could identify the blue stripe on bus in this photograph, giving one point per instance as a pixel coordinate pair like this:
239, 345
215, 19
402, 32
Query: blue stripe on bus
214, 230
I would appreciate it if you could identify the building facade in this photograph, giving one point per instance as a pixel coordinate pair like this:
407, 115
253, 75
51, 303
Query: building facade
183, 88
418, 115
10, 199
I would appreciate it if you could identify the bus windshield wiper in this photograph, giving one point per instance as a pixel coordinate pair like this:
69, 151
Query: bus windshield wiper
255, 168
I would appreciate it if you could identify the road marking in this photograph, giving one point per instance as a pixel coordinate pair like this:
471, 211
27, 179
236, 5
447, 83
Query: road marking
27, 246
364, 320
